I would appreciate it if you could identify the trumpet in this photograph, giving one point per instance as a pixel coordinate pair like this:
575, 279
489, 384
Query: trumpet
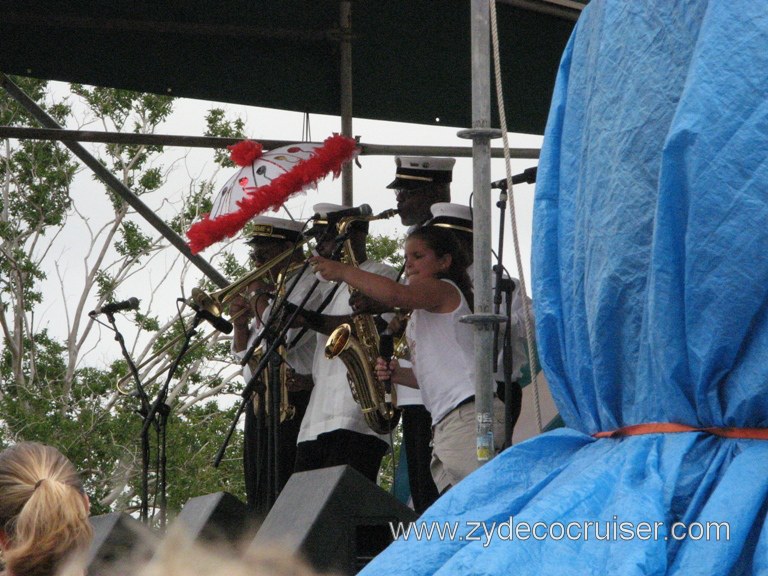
215, 303
221, 298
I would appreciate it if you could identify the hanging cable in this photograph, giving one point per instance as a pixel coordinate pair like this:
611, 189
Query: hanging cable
532, 351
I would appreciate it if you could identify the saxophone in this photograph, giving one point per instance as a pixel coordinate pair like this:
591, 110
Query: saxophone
357, 345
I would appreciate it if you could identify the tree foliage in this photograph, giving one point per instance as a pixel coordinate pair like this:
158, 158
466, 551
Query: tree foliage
56, 388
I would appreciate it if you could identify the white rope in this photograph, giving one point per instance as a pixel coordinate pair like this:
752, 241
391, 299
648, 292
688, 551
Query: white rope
532, 353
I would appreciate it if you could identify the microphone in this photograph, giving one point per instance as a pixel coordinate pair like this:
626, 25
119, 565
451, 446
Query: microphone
130, 304
362, 210
207, 309
527, 176
386, 350
219, 323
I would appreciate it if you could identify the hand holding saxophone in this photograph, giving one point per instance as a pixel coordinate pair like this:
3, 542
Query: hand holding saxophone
362, 304
386, 371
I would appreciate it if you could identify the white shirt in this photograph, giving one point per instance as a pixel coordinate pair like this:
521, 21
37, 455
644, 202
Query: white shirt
331, 406
442, 353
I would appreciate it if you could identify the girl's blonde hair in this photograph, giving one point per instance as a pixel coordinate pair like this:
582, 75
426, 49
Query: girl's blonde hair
43, 509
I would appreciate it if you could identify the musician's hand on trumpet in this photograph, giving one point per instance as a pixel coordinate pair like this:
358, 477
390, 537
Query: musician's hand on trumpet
246, 305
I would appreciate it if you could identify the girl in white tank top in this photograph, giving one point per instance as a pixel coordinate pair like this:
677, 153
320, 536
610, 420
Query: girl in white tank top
439, 292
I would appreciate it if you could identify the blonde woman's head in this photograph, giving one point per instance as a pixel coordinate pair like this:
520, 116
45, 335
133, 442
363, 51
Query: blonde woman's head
43, 510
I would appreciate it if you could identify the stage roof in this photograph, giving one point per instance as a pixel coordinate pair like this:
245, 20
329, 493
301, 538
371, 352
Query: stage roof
411, 59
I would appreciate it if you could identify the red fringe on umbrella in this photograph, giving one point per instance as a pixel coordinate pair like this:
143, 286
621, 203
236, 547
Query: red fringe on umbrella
327, 159
244, 153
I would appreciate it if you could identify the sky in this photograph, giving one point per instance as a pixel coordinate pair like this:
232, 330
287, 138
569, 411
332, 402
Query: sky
188, 166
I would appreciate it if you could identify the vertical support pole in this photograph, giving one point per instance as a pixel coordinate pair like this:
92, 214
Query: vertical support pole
483, 320
345, 43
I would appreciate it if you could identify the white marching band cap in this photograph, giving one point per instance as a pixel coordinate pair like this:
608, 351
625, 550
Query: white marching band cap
450, 215
277, 228
325, 209
418, 171
327, 214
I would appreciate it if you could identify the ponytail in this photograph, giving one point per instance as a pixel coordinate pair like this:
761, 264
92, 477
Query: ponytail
43, 509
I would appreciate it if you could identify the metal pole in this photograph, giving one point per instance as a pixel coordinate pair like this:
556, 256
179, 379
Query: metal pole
483, 320
110, 180
345, 42
25, 132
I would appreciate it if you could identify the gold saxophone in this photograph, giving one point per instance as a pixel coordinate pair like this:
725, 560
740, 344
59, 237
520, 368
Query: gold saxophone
287, 410
357, 345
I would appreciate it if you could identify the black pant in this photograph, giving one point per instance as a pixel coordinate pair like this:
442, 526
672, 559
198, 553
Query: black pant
257, 454
361, 451
417, 435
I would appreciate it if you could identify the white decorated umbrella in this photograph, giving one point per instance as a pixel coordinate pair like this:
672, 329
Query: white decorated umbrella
266, 180
260, 172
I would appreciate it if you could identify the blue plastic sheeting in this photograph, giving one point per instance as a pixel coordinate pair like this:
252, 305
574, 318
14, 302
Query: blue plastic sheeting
650, 291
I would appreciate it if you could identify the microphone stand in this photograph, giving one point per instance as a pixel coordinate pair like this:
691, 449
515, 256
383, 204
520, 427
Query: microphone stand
265, 359
279, 337
273, 484
162, 410
142, 411
507, 286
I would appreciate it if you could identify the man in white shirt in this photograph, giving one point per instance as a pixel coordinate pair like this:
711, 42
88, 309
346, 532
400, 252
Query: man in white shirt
334, 430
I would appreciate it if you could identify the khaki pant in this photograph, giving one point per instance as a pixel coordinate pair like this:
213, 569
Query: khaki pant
454, 444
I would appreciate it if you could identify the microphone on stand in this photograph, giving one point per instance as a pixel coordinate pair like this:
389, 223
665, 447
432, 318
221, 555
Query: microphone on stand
219, 323
130, 304
527, 176
362, 210
207, 309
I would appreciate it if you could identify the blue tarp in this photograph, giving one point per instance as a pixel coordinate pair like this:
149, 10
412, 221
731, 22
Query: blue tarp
650, 277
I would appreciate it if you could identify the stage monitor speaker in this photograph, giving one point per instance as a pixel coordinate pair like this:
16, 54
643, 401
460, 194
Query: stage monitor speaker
118, 539
335, 518
215, 517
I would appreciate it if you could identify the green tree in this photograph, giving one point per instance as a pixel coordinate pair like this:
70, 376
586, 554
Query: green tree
54, 388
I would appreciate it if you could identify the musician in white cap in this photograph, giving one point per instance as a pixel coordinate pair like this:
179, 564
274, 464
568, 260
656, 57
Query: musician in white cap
269, 238
334, 430
419, 182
